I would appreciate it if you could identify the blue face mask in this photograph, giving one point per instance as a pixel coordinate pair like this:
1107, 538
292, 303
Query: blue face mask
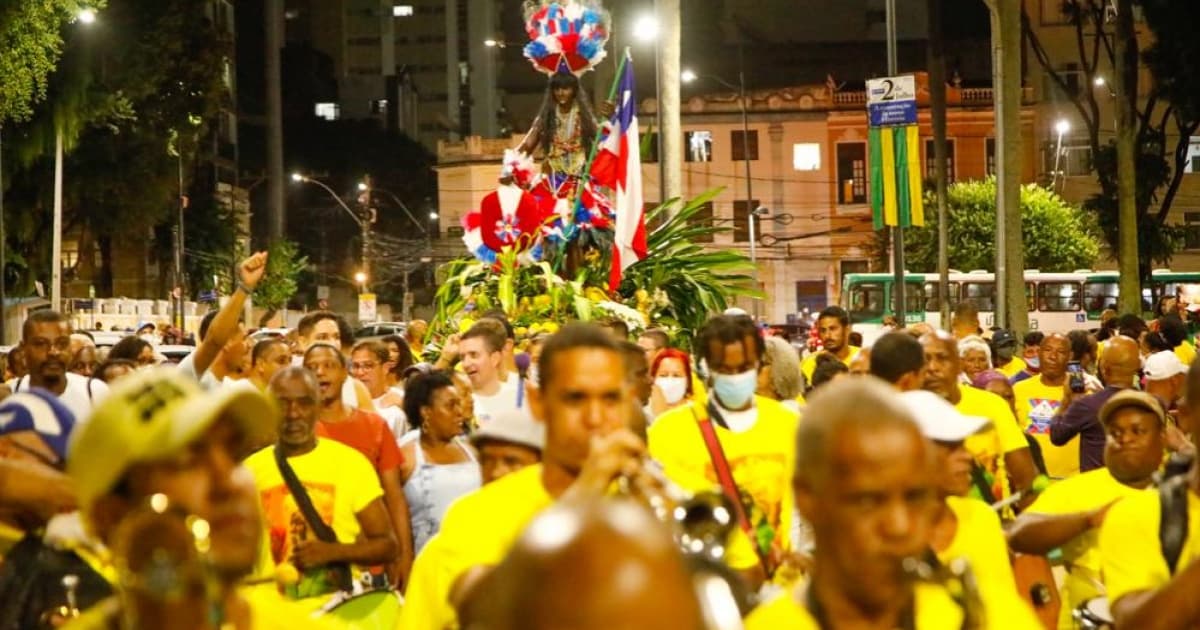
735, 391
1033, 362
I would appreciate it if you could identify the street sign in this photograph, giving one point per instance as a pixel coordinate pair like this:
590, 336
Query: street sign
366, 308
892, 101
322, 292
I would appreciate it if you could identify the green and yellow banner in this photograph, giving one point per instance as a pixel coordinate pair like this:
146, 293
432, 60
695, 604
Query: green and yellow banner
896, 176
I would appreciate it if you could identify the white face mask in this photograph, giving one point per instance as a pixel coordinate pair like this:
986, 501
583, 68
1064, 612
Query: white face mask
673, 388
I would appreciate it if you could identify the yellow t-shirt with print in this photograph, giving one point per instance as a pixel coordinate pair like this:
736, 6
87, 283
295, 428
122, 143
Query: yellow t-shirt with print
1082, 493
1037, 404
340, 482
934, 609
980, 540
990, 446
1130, 551
1016, 365
810, 363
761, 459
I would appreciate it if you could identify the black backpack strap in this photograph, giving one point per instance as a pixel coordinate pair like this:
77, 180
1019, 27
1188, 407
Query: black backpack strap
980, 481
1173, 519
319, 527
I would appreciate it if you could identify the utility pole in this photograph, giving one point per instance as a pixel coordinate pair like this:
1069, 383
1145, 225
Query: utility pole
1126, 57
937, 106
898, 285
56, 239
3, 256
1011, 311
671, 134
273, 20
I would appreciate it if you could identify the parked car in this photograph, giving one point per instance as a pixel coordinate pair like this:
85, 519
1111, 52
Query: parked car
379, 330
175, 354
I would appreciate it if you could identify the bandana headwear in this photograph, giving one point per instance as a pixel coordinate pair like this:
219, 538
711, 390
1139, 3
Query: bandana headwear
566, 36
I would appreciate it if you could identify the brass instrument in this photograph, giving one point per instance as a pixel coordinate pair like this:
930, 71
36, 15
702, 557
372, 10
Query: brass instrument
59, 616
957, 578
164, 576
701, 523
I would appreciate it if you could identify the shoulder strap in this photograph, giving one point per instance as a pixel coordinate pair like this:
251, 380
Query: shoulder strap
319, 527
979, 479
1173, 519
725, 478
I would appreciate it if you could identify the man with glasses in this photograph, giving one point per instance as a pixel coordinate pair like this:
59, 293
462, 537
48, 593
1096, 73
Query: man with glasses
46, 344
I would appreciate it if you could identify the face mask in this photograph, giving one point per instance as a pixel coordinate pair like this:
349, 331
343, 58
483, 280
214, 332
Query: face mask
672, 387
735, 391
1005, 353
1033, 362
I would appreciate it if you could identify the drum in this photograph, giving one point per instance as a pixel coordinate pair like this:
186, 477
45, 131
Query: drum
372, 610
1094, 615
1035, 584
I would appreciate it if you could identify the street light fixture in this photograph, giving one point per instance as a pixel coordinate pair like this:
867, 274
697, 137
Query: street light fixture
363, 223
645, 28
87, 16
688, 76
361, 279
494, 43
1061, 127
433, 216
1098, 81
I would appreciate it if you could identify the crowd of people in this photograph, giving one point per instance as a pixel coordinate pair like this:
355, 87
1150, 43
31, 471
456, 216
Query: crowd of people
591, 478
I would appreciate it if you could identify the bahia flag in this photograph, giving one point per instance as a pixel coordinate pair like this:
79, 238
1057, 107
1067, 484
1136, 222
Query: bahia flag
619, 167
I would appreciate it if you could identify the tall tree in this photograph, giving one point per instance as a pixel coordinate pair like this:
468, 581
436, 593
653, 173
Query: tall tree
1163, 121
32, 40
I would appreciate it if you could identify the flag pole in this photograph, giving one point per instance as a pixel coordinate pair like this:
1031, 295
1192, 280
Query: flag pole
585, 174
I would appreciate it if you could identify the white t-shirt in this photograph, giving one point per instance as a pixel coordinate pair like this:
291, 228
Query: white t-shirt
509, 397
394, 416
81, 395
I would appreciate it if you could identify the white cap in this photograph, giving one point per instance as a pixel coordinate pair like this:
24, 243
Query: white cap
1163, 365
938, 419
514, 427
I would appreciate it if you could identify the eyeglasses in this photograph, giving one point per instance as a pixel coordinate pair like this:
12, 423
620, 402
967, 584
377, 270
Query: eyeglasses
368, 365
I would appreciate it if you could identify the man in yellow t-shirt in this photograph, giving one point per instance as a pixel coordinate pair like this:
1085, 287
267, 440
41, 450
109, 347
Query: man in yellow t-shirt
586, 400
1038, 400
865, 484
1144, 591
1068, 514
755, 433
1001, 450
833, 327
341, 484
159, 435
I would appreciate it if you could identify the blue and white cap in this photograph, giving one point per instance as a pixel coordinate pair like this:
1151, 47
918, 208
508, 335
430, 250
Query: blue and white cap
40, 411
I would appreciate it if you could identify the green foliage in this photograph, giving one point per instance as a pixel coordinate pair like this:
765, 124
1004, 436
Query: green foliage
1057, 236
677, 286
31, 36
284, 266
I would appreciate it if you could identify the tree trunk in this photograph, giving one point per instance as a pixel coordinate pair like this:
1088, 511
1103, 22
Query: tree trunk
1130, 286
1011, 309
937, 106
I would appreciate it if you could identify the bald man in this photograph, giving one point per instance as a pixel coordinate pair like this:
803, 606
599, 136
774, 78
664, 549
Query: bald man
611, 550
867, 484
1118, 369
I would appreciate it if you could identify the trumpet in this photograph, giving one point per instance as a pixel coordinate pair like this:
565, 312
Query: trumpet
60, 615
701, 523
957, 578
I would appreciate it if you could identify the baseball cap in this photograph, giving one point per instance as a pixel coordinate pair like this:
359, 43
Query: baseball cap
1132, 398
1163, 365
1003, 336
938, 419
514, 427
150, 415
39, 411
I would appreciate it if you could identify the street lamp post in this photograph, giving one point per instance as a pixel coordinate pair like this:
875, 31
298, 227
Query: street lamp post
1061, 128
753, 210
645, 29
363, 223
369, 188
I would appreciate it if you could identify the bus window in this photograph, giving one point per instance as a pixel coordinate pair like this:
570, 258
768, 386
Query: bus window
981, 294
1058, 296
932, 305
914, 298
1099, 295
1029, 301
866, 301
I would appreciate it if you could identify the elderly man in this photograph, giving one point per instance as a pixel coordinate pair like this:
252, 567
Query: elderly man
508, 444
160, 444
1068, 514
867, 485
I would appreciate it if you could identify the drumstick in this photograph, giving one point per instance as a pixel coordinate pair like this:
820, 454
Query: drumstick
1040, 483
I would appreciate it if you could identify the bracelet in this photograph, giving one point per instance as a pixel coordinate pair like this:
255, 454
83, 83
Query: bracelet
241, 286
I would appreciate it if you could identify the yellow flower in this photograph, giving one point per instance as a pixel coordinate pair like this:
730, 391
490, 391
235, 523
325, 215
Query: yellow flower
465, 324
595, 295
541, 301
521, 331
550, 327
287, 574
642, 295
